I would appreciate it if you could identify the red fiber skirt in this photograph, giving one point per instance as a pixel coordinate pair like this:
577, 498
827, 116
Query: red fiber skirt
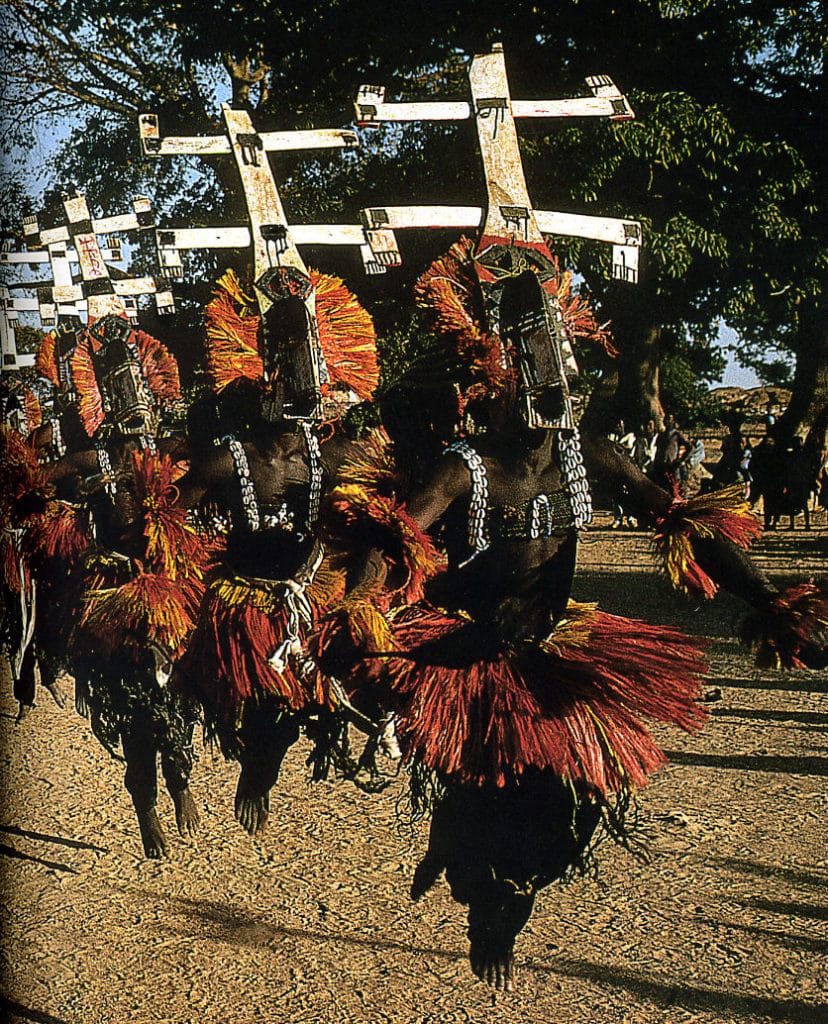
573, 702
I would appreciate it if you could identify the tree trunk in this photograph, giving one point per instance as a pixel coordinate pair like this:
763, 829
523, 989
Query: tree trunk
809, 398
629, 390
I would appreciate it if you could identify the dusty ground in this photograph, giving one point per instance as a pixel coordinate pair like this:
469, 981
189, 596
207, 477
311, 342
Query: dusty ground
313, 924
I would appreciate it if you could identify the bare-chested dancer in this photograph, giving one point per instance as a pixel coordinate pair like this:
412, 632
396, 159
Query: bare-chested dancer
523, 710
246, 664
138, 589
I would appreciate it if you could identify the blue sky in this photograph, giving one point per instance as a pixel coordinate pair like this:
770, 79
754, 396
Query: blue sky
735, 375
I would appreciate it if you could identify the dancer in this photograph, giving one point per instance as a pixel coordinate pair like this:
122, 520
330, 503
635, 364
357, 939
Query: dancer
519, 712
246, 664
20, 415
139, 588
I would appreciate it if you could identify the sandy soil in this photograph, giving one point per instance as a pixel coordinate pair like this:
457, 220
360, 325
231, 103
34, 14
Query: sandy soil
312, 923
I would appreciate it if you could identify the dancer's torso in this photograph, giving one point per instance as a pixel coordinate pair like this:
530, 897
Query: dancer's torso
512, 543
273, 500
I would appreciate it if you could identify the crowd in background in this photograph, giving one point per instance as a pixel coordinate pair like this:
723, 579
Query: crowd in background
790, 478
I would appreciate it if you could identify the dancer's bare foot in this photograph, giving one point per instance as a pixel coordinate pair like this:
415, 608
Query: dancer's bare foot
252, 808
497, 969
152, 835
186, 813
23, 711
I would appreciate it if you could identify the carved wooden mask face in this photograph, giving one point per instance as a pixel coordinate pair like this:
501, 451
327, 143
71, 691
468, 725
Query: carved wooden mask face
128, 402
531, 333
293, 361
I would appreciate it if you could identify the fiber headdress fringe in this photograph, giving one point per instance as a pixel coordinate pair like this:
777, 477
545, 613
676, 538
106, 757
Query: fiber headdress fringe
158, 366
578, 314
46, 359
346, 334
233, 328
450, 293
89, 398
796, 621
723, 514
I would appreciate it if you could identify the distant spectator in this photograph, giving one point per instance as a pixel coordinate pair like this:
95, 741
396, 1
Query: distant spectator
727, 468
670, 446
625, 439
644, 449
745, 475
783, 475
822, 481
691, 470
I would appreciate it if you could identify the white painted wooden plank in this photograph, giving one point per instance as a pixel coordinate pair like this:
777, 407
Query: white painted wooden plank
602, 229
36, 256
422, 216
328, 234
203, 238
264, 205
606, 101
272, 142
191, 145
575, 106
579, 106
101, 226
314, 138
135, 286
509, 210
368, 113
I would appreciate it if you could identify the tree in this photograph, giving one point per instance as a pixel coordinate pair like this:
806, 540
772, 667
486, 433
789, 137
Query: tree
717, 165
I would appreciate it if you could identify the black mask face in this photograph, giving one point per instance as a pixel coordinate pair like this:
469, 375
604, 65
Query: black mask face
128, 402
66, 340
531, 332
293, 362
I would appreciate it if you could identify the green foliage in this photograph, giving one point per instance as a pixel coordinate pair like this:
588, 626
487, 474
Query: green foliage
683, 394
27, 338
724, 164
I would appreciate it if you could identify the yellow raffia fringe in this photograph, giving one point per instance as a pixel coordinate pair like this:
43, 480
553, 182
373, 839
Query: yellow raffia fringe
165, 620
574, 629
232, 325
724, 513
267, 596
346, 334
366, 622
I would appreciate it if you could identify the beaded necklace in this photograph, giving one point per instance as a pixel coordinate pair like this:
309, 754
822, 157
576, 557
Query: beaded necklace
283, 517
248, 495
315, 458
477, 537
575, 478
